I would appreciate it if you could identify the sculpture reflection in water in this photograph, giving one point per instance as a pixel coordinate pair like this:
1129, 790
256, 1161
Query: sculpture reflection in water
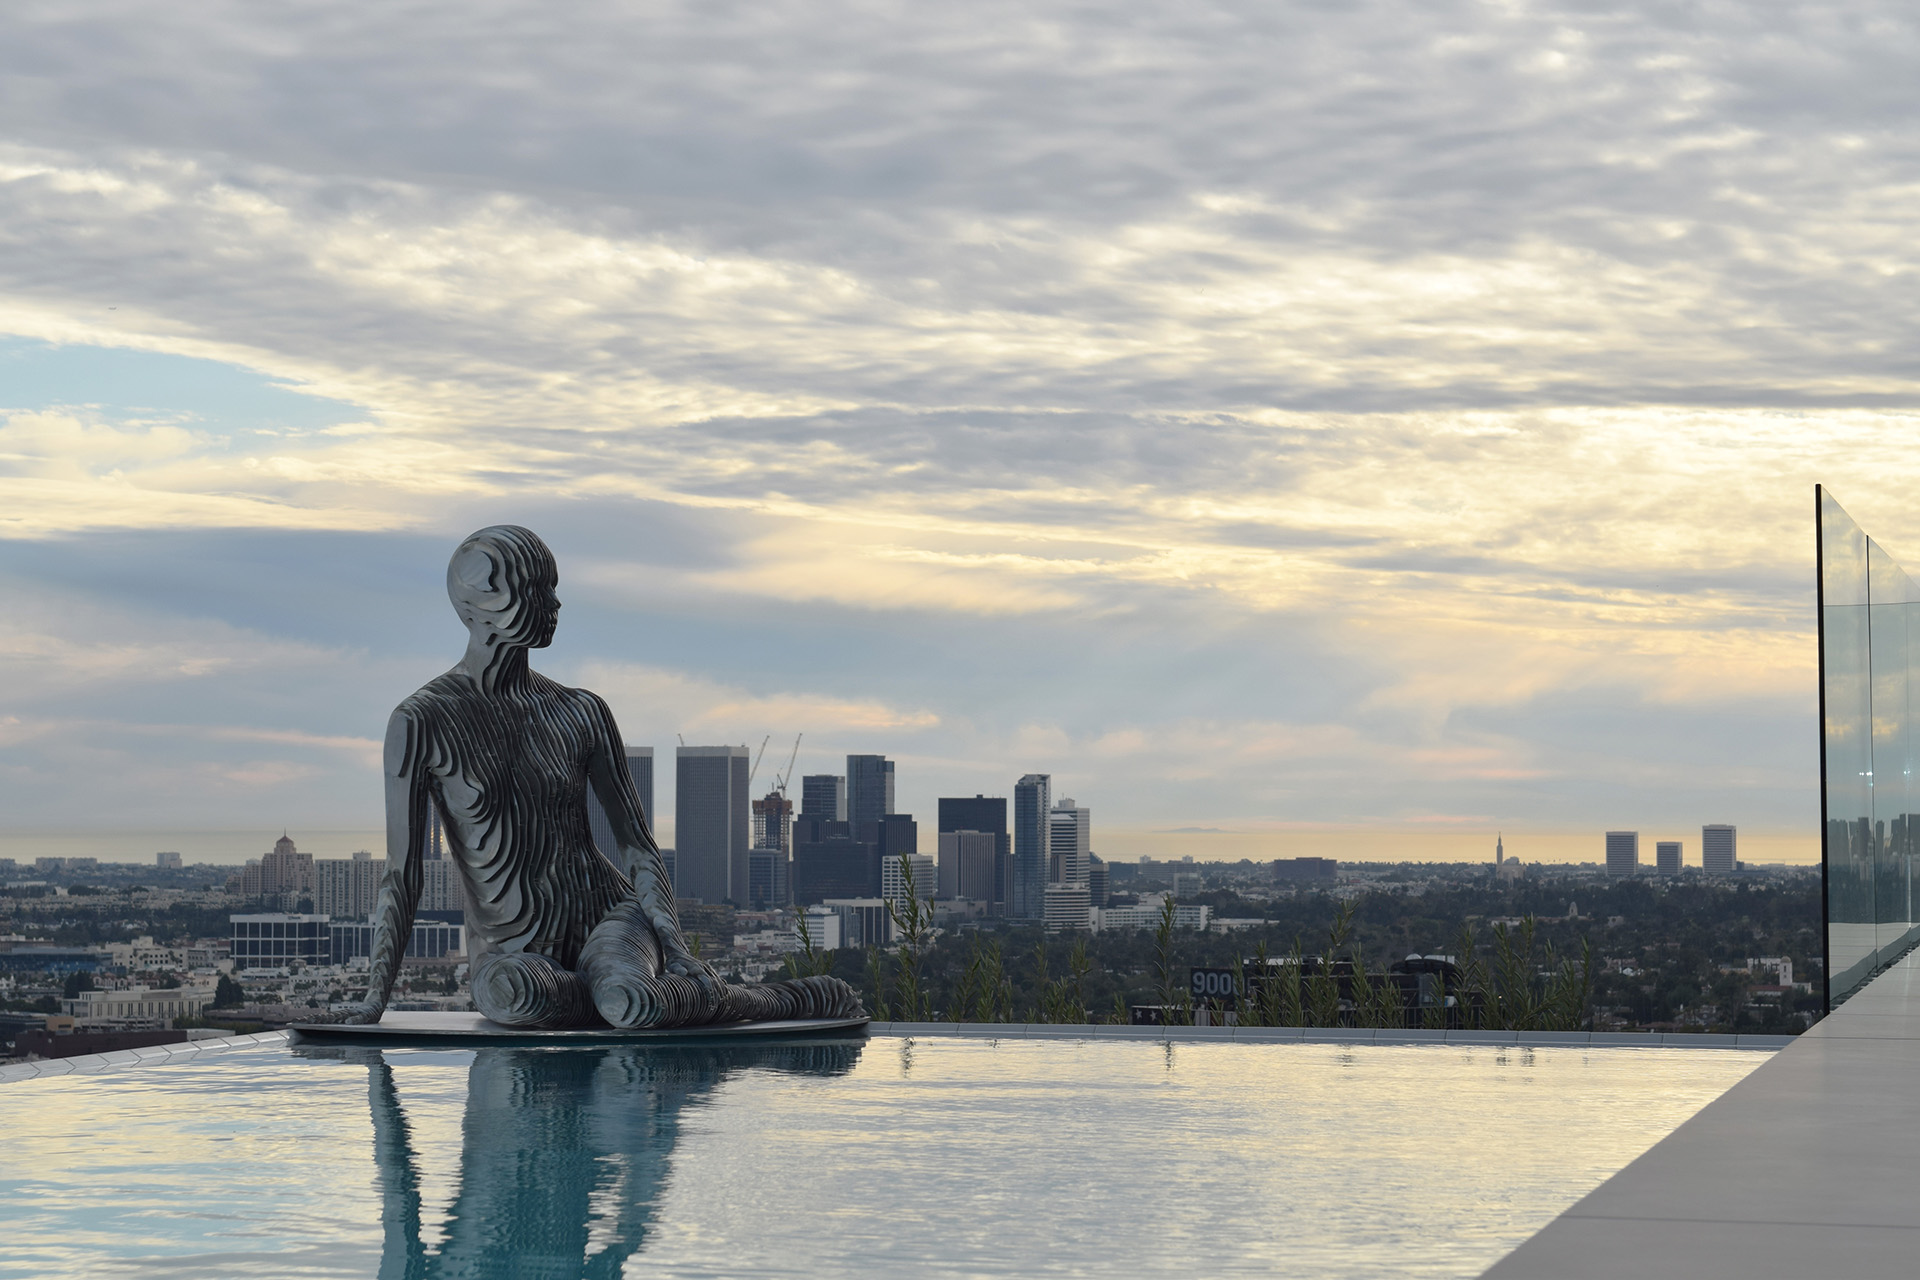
558, 936
564, 1153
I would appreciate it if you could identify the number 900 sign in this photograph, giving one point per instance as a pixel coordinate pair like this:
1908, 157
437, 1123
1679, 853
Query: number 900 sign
1212, 985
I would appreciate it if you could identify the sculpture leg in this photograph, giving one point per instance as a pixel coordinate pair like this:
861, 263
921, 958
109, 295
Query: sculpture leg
816, 997
621, 962
520, 989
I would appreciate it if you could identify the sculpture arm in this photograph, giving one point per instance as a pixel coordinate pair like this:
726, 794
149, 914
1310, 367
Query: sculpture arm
613, 786
407, 801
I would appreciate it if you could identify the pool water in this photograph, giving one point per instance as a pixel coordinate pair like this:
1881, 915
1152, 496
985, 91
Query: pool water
886, 1157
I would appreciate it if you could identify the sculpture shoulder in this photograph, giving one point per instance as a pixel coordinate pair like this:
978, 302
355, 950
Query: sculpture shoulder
436, 698
414, 721
584, 700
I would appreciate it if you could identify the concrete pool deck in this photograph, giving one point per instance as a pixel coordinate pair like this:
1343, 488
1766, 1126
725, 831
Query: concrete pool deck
1804, 1168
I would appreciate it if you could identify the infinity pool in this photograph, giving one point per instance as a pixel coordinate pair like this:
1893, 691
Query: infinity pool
888, 1157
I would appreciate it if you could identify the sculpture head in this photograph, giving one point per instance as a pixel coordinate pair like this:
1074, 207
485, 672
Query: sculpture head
501, 581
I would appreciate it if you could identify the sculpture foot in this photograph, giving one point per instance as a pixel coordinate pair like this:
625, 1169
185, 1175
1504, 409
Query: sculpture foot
813, 997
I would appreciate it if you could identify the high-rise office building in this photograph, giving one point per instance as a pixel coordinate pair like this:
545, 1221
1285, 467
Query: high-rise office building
1719, 853
1032, 798
640, 769
167, 861
1666, 857
767, 879
829, 863
1623, 853
985, 814
967, 862
824, 795
869, 791
712, 829
895, 834
1099, 887
893, 877
1069, 843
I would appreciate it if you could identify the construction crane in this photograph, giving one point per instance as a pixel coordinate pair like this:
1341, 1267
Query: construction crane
756, 761
783, 780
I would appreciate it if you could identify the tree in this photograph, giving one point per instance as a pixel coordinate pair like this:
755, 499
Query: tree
228, 994
78, 982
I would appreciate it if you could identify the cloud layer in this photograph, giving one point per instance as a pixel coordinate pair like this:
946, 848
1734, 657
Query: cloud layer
1383, 414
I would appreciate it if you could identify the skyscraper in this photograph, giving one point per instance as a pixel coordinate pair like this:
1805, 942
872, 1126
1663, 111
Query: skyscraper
869, 792
773, 822
1623, 853
893, 879
640, 769
711, 827
1032, 797
1719, 853
1069, 843
1666, 857
967, 861
824, 795
767, 879
988, 815
829, 863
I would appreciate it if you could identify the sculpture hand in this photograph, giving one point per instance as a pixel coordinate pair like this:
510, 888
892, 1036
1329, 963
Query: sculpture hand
363, 1012
712, 988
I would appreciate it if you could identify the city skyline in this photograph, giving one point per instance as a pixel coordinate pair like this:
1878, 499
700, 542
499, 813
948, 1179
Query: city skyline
1420, 439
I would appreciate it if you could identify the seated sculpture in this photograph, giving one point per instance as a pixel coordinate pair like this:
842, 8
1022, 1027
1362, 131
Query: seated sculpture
558, 936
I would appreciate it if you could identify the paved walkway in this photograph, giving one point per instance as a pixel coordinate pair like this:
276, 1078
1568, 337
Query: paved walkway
1804, 1169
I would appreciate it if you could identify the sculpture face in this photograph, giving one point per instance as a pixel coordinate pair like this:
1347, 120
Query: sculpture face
501, 581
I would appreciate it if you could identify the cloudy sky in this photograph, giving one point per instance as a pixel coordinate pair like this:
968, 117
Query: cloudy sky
1293, 420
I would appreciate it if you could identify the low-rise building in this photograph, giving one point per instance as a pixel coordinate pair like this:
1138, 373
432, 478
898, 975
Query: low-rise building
1146, 915
431, 940
135, 1009
277, 939
864, 922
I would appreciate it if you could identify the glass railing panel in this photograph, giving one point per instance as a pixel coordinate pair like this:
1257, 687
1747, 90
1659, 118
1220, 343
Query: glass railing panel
1893, 632
1846, 685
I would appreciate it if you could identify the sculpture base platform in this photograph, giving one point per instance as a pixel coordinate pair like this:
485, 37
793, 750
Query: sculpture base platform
400, 1027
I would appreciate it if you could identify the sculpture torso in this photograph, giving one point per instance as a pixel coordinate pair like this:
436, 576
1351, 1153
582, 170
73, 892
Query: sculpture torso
509, 771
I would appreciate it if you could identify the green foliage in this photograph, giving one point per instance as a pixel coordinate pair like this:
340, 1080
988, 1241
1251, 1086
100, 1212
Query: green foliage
1375, 1004
1470, 981
1293, 1009
1323, 987
913, 919
1433, 1016
228, 994
1172, 994
1570, 991
1263, 1008
1512, 1002
877, 987
983, 993
810, 961
78, 982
